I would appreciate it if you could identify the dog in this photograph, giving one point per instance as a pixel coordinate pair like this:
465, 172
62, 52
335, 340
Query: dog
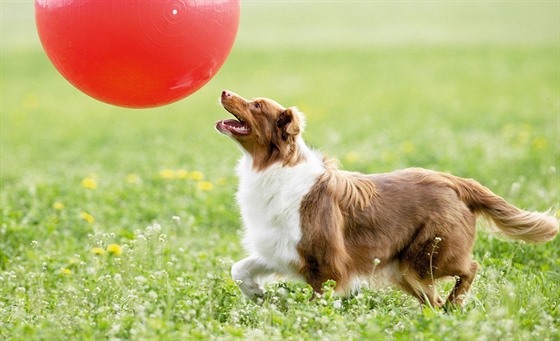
304, 218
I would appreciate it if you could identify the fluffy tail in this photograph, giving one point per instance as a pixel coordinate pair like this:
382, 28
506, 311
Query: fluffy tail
512, 222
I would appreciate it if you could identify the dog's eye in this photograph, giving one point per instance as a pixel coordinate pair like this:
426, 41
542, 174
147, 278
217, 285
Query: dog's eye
257, 105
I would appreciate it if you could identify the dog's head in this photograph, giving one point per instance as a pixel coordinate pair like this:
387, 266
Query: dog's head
263, 128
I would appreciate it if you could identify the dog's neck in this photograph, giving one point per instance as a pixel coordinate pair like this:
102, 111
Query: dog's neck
293, 155
287, 155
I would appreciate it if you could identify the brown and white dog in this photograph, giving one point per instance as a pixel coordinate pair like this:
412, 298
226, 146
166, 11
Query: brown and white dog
305, 218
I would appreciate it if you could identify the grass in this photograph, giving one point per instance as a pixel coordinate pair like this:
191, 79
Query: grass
469, 88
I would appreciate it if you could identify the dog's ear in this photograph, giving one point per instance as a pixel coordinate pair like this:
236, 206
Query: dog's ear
289, 123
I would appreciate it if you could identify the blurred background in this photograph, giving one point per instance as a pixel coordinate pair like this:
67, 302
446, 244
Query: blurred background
467, 87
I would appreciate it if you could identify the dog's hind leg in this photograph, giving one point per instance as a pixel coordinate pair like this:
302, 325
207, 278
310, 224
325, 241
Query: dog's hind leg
424, 291
463, 284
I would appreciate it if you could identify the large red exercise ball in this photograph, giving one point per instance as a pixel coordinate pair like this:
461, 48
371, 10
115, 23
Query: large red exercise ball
137, 53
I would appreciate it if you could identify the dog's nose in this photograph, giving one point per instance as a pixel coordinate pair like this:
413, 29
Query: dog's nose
226, 94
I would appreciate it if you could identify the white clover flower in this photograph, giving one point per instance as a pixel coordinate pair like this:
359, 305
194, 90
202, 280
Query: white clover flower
337, 304
153, 295
140, 279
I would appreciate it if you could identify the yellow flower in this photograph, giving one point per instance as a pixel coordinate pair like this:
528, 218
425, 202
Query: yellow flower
89, 183
114, 249
97, 251
523, 137
87, 217
132, 178
408, 147
352, 157
167, 174
388, 157
205, 185
182, 174
196, 175
30, 102
57, 205
65, 271
540, 142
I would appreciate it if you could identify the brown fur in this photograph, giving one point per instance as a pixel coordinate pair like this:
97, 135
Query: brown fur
420, 222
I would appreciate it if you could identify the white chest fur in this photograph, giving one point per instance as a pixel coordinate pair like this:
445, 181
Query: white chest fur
270, 202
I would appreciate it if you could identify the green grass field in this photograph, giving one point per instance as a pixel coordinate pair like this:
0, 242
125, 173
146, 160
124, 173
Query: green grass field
121, 224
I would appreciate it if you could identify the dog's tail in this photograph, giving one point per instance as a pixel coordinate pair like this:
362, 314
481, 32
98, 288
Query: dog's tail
512, 222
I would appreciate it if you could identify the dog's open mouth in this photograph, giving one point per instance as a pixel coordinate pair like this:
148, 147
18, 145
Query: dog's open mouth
234, 126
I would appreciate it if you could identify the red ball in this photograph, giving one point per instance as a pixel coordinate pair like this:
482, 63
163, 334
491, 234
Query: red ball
137, 53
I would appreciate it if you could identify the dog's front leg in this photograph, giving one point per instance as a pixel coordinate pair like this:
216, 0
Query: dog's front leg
245, 274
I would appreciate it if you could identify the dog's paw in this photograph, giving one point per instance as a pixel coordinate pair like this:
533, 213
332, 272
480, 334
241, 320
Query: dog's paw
452, 307
250, 289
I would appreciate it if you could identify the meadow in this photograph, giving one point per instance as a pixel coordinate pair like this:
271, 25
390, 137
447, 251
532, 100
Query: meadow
121, 224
